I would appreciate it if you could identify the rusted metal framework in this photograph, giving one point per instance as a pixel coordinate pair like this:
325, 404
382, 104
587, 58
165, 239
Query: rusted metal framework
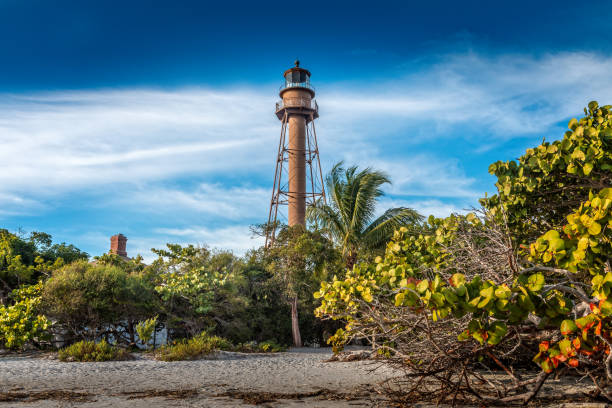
297, 157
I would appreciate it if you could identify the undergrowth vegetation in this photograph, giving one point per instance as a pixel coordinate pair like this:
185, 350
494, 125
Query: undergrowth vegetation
268, 346
204, 344
85, 350
193, 348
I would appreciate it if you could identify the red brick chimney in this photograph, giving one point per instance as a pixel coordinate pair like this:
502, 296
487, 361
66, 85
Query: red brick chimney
118, 244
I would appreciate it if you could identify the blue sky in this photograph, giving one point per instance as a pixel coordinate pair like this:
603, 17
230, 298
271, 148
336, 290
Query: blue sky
155, 119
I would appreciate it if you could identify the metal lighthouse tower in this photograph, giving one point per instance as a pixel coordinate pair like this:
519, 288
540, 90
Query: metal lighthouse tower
298, 180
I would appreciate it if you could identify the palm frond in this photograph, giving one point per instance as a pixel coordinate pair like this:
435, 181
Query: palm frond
348, 217
364, 206
329, 219
382, 228
335, 188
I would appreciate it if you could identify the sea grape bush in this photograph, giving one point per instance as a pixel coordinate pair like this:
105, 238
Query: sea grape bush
196, 286
22, 321
584, 245
545, 289
550, 181
24, 264
186, 276
491, 306
187, 283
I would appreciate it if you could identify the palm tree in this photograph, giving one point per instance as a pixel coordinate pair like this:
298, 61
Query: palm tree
349, 215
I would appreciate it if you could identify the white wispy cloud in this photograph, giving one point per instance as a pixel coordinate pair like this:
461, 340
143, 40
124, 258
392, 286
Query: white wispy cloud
60, 141
234, 238
12, 204
428, 175
505, 95
138, 144
64, 139
221, 201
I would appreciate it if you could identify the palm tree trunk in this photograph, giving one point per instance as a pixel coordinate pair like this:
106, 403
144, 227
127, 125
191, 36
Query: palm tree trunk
295, 326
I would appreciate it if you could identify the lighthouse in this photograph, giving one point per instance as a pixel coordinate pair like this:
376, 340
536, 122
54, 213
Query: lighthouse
298, 180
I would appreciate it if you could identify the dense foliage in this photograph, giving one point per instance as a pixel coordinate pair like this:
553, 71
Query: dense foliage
91, 301
185, 291
22, 321
548, 182
26, 260
236, 298
24, 264
87, 351
526, 278
187, 279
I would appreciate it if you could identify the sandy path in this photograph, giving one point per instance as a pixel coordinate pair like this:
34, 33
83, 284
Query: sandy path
115, 384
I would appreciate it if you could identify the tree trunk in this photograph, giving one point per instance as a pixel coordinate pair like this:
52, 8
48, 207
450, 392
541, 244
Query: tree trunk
132, 333
295, 326
351, 259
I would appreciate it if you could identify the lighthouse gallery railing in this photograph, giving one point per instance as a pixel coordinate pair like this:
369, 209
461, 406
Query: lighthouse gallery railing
297, 103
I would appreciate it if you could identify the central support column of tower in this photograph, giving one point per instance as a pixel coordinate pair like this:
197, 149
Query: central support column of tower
297, 170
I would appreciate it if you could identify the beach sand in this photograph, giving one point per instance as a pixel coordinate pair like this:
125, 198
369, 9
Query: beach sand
300, 377
297, 378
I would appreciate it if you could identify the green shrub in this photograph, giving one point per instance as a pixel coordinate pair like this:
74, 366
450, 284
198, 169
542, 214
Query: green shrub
21, 323
88, 300
193, 348
145, 330
92, 351
268, 346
